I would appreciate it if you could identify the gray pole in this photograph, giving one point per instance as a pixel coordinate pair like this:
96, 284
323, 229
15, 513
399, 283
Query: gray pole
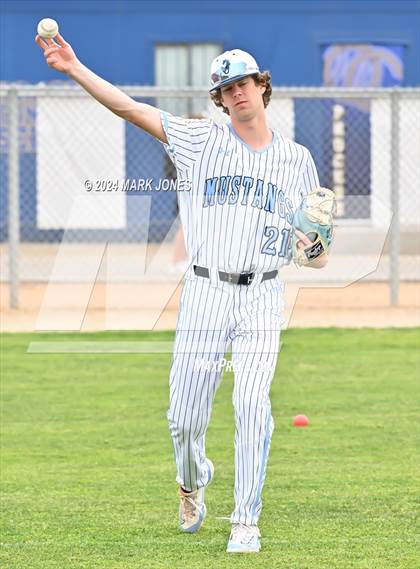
394, 240
13, 172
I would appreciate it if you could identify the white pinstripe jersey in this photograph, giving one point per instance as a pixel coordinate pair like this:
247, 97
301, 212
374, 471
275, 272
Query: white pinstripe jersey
238, 211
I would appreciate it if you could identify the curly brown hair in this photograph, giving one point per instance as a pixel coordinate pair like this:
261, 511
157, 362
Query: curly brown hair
263, 78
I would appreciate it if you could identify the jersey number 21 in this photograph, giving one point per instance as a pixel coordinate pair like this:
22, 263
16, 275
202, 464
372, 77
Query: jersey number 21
269, 246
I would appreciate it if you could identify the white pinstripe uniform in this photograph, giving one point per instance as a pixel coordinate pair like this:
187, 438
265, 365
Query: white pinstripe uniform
236, 218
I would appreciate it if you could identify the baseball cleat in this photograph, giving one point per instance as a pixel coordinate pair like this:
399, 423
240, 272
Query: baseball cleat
244, 539
192, 509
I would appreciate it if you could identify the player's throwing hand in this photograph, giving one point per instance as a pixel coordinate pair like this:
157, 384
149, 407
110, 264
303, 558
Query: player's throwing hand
58, 53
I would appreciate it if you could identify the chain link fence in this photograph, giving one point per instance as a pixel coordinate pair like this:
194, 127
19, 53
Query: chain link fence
63, 157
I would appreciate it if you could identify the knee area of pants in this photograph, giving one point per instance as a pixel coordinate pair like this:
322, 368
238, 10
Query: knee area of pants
185, 422
250, 400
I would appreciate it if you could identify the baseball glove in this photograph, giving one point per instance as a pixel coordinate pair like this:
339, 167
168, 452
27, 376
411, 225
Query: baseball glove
314, 218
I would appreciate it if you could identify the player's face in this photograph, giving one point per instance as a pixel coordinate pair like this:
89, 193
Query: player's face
243, 98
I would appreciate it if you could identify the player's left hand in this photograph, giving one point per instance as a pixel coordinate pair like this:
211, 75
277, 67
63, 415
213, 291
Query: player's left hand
303, 242
303, 239
313, 228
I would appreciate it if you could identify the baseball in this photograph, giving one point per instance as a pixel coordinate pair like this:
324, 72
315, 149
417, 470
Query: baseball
47, 28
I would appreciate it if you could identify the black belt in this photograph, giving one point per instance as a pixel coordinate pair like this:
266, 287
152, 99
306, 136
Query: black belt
234, 278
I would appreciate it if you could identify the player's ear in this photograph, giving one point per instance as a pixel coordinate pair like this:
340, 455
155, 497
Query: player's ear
260, 83
222, 100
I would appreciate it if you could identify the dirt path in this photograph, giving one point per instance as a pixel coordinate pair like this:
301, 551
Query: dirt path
155, 306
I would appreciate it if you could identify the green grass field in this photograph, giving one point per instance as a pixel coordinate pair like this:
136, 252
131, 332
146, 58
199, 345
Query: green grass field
87, 465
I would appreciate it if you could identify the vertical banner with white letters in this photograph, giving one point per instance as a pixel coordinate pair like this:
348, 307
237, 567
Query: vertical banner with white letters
354, 163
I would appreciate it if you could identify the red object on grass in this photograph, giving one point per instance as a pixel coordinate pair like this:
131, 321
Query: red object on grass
301, 421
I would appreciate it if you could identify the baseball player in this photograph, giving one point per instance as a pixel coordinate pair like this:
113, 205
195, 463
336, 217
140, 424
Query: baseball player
247, 182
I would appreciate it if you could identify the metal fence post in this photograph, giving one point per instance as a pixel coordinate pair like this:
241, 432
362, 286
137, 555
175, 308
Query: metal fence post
394, 238
13, 213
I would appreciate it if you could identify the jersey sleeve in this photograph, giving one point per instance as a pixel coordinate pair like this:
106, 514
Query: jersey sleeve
310, 179
186, 139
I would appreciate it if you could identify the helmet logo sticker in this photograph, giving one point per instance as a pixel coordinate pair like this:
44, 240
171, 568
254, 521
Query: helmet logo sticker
225, 67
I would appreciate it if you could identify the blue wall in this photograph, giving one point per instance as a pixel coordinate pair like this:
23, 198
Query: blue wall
117, 37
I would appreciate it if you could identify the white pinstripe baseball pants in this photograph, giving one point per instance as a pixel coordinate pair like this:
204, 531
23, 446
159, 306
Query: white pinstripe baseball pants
212, 315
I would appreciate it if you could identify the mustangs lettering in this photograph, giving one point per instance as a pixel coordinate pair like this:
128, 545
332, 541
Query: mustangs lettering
238, 215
